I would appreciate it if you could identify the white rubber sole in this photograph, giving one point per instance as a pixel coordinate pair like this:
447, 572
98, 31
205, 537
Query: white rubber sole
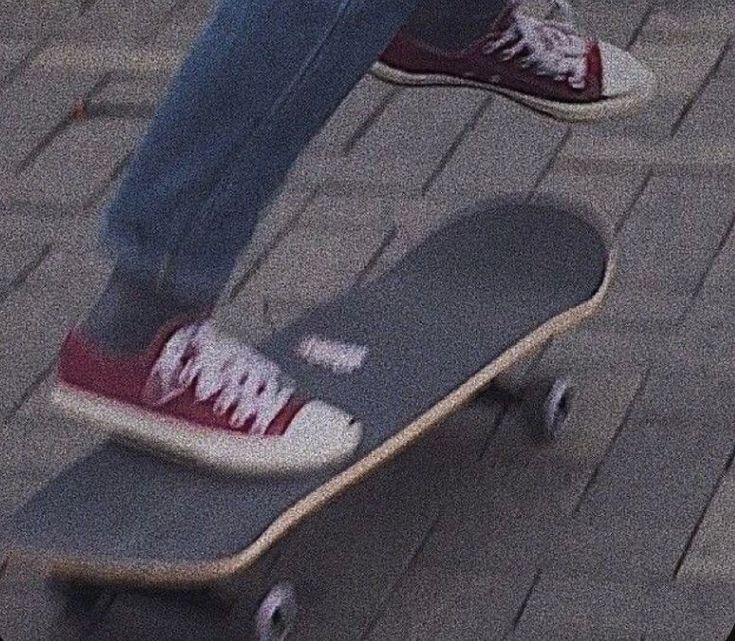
231, 453
604, 109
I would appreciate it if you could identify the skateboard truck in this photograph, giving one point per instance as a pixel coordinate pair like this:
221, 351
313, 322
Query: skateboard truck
546, 403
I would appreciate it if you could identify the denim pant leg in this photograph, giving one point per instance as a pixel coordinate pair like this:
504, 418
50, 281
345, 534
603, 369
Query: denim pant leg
259, 82
453, 24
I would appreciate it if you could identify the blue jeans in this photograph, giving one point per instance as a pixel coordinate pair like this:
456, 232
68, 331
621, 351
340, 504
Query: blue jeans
257, 85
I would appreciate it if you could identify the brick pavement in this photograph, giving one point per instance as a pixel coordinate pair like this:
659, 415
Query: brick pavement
621, 531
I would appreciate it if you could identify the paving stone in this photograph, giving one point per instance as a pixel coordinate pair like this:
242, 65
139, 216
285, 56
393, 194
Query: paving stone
678, 430
595, 345
37, 445
100, 58
351, 118
39, 314
183, 26
688, 157
705, 338
31, 110
615, 23
401, 149
518, 498
144, 89
445, 603
30, 611
712, 114
12, 53
345, 176
718, 289
657, 250
620, 551
680, 68
690, 609
727, 66
35, 19
567, 607
115, 21
609, 196
33, 225
276, 220
502, 154
80, 161
678, 20
18, 254
640, 309
712, 555
134, 617
411, 135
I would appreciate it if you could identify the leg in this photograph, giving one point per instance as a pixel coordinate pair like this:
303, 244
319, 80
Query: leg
259, 82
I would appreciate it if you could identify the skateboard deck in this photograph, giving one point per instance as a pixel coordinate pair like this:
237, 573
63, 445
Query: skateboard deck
426, 337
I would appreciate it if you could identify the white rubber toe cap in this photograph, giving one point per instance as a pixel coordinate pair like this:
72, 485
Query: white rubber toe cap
623, 75
320, 435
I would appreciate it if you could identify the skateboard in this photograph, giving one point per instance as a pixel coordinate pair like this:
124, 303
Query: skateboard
401, 352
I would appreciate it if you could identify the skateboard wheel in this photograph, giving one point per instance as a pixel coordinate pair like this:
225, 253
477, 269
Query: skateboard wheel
277, 613
555, 408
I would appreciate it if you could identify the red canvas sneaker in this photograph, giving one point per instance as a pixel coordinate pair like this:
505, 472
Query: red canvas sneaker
543, 64
196, 395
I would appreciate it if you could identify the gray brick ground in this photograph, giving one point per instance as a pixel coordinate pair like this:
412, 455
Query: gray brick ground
445, 603
690, 609
183, 26
352, 119
144, 90
727, 67
712, 555
668, 457
105, 57
31, 112
712, 116
615, 23
40, 313
79, 163
610, 196
402, 149
35, 19
504, 152
37, 444
28, 610
110, 21
12, 54
681, 19
657, 250
562, 607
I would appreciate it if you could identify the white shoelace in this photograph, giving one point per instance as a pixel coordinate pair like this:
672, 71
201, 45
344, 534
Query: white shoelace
552, 48
221, 368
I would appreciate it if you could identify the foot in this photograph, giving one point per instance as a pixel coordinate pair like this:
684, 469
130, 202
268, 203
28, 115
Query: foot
543, 64
199, 396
